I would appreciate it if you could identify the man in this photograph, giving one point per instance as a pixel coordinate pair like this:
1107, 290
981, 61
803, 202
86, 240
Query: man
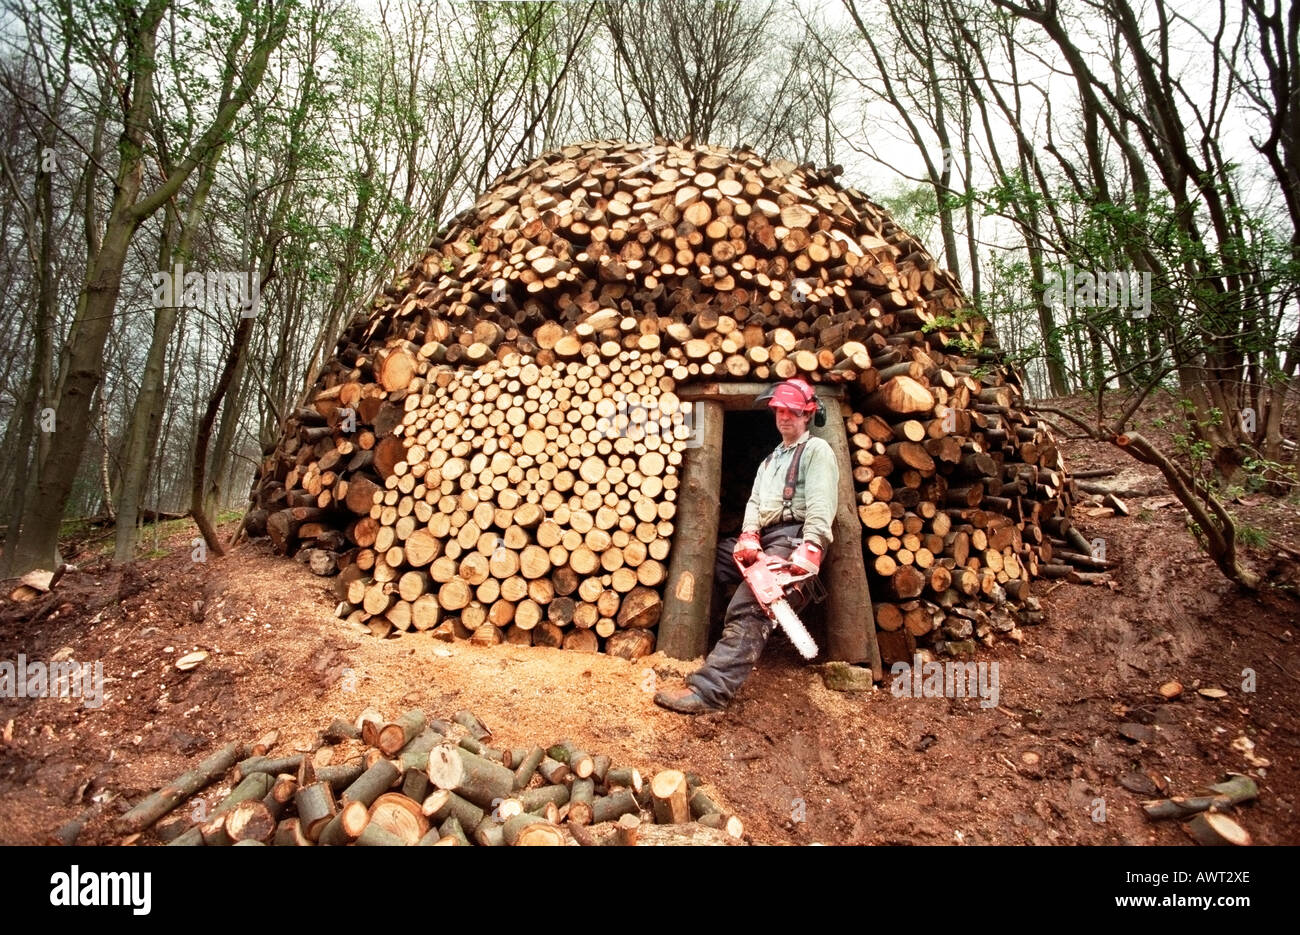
789, 514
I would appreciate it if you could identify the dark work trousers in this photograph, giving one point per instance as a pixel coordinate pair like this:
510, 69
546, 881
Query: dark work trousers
746, 627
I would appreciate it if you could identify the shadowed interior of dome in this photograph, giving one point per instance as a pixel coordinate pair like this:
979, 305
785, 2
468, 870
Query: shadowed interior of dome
748, 436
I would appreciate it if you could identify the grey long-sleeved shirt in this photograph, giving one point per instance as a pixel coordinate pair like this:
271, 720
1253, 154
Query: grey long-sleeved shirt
815, 493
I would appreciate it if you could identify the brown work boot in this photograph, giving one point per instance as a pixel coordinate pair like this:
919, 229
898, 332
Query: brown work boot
684, 701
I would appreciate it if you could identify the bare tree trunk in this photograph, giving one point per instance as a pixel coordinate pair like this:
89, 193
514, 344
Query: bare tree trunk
105, 482
221, 450
147, 415
36, 392
204, 438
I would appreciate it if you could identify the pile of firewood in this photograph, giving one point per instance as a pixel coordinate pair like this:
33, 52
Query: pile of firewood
416, 780
533, 505
494, 448
960, 500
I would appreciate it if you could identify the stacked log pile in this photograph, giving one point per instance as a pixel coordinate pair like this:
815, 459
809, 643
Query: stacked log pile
963, 501
421, 781
494, 448
521, 503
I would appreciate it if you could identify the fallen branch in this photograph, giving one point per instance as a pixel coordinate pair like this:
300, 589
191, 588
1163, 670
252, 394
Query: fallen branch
181, 788
1233, 791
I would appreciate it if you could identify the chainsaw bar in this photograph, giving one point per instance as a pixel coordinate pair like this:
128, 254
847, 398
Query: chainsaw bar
768, 579
784, 615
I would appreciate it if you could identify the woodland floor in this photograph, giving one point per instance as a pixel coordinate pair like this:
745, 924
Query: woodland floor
869, 768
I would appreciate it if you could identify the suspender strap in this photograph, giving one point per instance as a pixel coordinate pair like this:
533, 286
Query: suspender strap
791, 479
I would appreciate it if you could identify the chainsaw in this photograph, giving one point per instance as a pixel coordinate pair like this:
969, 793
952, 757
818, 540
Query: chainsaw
772, 578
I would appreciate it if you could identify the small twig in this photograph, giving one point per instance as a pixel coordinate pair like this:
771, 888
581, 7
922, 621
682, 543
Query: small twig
1273, 660
1090, 430
1287, 549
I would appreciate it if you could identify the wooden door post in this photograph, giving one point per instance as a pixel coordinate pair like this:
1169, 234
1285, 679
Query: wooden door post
850, 620
684, 626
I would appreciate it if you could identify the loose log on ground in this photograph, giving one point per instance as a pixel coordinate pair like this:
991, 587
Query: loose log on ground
179, 789
528, 767
443, 804
531, 831
376, 780
250, 821
610, 807
1213, 829
580, 798
671, 802
473, 777
315, 804
1233, 791
399, 815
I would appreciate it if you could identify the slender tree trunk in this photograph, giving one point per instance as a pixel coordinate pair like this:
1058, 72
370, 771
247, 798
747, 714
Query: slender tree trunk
221, 450
147, 415
145, 419
105, 482
1056, 377
36, 392
204, 438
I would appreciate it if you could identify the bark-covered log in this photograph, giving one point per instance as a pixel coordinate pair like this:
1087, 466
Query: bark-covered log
444, 803
316, 807
671, 801
1214, 829
473, 777
528, 767
581, 796
378, 779
536, 798
452, 828
610, 807
394, 736
179, 789
531, 831
1232, 791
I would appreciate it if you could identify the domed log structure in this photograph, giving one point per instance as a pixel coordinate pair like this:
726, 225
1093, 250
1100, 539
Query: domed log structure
522, 440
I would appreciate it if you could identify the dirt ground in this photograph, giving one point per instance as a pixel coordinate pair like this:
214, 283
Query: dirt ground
1078, 738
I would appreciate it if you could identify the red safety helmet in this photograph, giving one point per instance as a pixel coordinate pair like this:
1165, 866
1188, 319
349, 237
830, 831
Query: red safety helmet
795, 394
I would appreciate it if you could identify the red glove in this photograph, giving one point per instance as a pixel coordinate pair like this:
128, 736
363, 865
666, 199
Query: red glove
807, 557
747, 548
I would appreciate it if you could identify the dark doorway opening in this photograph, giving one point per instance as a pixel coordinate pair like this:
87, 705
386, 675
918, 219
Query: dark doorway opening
748, 436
